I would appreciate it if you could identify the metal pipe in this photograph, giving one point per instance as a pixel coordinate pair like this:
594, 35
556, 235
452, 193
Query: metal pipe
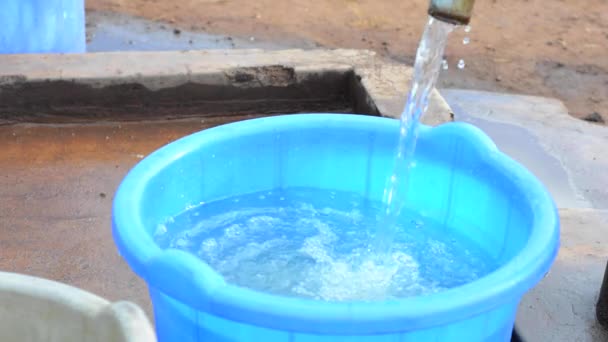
456, 12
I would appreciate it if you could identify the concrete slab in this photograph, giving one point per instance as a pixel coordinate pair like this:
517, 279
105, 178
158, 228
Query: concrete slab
222, 77
56, 190
566, 154
562, 306
110, 31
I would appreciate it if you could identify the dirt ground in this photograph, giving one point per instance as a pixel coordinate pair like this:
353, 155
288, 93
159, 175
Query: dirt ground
556, 48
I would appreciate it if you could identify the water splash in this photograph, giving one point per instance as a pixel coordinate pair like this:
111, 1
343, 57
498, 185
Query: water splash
461, 64
318, 249
466, 40
467, 29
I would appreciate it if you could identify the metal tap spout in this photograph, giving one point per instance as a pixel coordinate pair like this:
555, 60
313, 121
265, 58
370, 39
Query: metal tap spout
456, 12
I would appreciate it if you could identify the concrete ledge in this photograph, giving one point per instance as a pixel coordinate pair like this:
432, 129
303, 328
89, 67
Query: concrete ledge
140, 85
562, 306
566, 154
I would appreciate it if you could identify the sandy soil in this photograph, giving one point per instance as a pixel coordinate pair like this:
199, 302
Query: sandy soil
556, 48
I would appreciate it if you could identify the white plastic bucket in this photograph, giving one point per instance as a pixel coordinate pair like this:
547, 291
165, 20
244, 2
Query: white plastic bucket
36, 309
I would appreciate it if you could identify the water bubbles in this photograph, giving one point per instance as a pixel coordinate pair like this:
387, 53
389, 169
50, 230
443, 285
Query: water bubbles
417, 223
466, 40
461, 64
180, 243
467, 29
161, 229
444, 64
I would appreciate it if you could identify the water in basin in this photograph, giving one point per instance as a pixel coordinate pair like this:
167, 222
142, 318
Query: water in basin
316, 244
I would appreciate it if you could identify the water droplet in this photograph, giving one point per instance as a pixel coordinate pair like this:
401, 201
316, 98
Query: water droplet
461, 64
467, 29
252, 39
444, 64
466, 40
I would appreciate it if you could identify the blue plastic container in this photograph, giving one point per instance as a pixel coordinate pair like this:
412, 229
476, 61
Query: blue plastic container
460, 178
39, 26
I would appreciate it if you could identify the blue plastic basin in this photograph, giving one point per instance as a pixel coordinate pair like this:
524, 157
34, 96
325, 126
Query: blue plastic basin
460, 178
38, 26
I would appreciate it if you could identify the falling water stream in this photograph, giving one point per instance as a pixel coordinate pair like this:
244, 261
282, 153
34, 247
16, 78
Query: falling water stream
429, 61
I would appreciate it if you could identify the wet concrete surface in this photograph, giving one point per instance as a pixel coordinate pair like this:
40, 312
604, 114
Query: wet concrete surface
109, 31
57, 187
566, 154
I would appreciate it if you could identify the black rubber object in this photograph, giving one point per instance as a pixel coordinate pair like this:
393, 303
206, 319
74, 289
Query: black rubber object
601, 310
516, 337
